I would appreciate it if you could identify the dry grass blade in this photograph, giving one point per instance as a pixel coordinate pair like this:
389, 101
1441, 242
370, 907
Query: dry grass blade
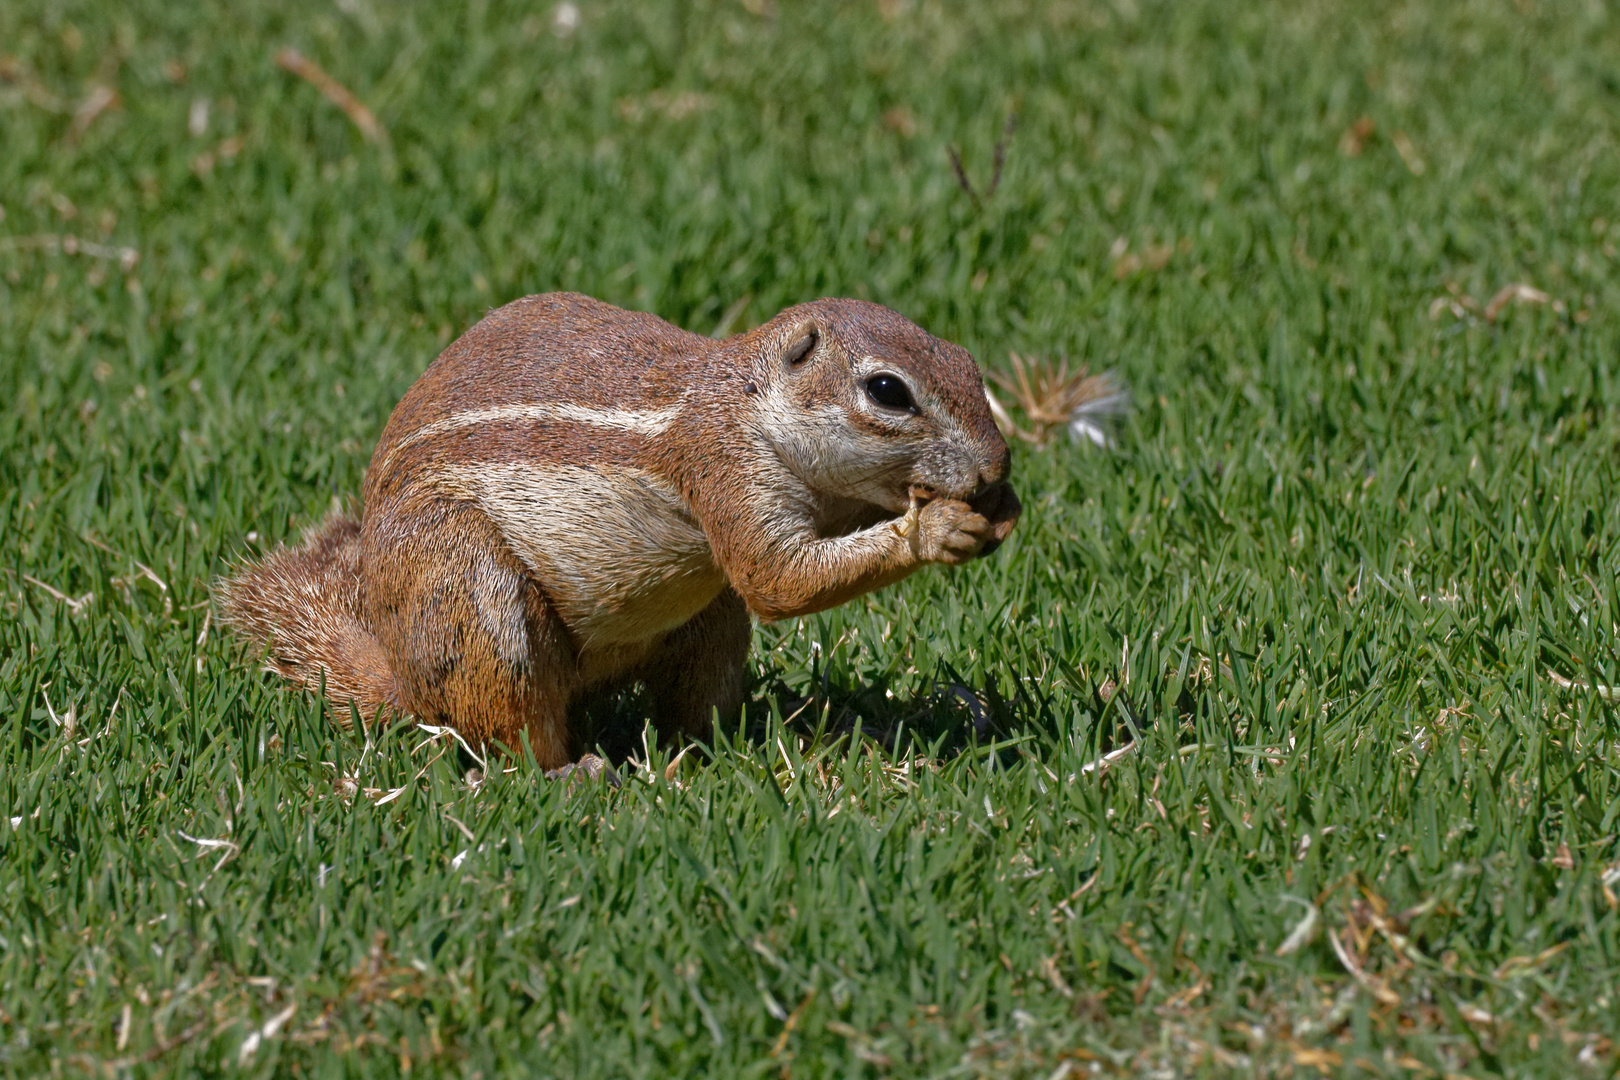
271, 1028
68, 721
1303, 931
98, 101
1107, 759
1607, 693
792, 1022
68, 244
75, 605
228, 848
1509, 293
1461, 305
673, 769
15, 73
1409, 154
436, 733
335, 92
1526, 964
1368, 982
1049, 394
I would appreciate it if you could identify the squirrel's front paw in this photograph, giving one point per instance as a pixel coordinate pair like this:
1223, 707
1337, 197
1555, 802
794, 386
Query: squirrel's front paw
950, 531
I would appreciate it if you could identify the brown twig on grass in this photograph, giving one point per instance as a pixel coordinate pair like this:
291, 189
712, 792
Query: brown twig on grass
961, 174
1356, 135
998, 161
335, 92
999, 157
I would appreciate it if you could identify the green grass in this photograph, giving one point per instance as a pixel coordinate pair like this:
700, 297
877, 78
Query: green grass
1348, 542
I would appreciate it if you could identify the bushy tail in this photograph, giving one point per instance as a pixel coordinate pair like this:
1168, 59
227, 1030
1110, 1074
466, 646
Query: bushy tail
302, 605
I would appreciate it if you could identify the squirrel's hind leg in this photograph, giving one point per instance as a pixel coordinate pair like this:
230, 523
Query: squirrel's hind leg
700, 669
470, 637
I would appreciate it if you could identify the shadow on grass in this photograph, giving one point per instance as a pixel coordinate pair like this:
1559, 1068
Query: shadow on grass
952, 717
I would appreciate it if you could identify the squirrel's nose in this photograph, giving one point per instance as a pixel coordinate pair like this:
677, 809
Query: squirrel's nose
988, 478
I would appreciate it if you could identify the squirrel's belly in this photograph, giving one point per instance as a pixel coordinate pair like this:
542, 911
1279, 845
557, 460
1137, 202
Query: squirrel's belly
615, 549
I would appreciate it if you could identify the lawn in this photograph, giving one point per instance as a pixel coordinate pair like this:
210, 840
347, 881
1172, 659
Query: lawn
1278, 741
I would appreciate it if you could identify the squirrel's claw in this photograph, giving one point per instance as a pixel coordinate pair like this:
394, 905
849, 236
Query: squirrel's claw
589, 767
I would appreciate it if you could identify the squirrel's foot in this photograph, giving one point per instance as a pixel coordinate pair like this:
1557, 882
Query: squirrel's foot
589, 767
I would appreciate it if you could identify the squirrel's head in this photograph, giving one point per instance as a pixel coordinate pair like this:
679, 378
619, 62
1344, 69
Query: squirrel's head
863, 404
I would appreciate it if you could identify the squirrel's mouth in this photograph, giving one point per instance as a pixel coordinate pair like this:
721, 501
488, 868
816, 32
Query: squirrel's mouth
922, 494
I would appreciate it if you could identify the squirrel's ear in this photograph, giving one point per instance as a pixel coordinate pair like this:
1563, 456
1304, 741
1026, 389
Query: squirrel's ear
800, 344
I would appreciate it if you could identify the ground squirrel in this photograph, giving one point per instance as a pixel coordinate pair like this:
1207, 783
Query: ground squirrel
574, 497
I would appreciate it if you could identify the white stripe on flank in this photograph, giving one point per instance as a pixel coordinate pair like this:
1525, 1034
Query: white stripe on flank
646, 422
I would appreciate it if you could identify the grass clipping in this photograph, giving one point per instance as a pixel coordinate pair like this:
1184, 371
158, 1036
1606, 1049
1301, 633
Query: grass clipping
1049, 395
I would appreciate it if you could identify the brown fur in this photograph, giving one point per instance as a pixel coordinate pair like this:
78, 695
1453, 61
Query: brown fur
303, 603
575, 497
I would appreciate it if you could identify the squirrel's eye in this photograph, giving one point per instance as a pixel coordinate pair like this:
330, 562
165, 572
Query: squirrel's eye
890, 393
